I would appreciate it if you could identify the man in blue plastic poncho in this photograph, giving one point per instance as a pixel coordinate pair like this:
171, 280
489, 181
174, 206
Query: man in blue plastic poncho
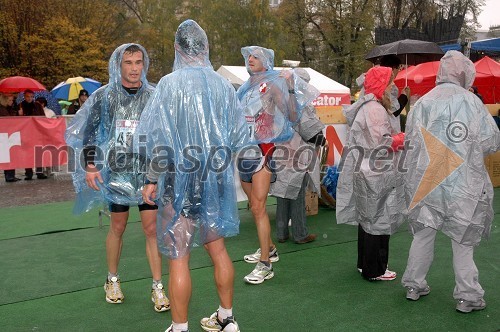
272, 102
191, 126
449, 132
111, 174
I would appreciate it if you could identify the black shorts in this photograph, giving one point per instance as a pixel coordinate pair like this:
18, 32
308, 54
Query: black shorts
248, 167
124, 208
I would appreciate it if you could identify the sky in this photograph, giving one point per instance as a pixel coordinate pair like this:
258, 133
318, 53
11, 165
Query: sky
490, 14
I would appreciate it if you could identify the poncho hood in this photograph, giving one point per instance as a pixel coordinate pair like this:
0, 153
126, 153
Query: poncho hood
455, 68
114, 67
263, 54
191, 46
376, 81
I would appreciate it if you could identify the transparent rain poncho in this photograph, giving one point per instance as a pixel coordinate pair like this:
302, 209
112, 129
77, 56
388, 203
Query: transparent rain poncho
106, 123
370, 188
450, 132
296, 158
272, 101
190, 129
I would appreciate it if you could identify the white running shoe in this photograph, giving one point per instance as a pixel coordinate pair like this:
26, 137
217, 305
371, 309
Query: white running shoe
260, 273
171, 328
213, 324
113, 290
255, 257
160, 300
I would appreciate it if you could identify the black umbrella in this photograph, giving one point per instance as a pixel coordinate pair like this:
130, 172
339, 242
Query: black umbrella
409, 51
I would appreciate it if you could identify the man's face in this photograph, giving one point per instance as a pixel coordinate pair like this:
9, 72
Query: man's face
131, 69
82, 99
255, 64
29, 97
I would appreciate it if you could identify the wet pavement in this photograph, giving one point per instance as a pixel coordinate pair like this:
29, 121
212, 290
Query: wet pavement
57, 188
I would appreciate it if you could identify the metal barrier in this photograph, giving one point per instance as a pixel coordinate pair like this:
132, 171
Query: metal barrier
104, 212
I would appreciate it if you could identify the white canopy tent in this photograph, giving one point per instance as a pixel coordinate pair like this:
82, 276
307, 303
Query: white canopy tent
332, 92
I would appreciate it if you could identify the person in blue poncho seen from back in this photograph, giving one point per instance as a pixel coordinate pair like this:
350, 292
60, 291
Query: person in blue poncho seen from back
190, 129
272, 102
109, 171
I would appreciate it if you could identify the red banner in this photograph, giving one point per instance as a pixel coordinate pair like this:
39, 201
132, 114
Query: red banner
29, 141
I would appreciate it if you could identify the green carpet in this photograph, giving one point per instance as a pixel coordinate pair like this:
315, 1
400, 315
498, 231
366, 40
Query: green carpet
52, 269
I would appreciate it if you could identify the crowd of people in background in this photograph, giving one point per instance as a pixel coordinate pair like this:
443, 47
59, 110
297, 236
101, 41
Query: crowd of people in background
31, 106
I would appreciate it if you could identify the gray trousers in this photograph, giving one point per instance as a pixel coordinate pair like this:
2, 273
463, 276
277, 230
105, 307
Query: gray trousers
294, 209
420, 258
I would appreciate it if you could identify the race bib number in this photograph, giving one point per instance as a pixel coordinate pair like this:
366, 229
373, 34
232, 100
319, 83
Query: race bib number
251, 126
124, 132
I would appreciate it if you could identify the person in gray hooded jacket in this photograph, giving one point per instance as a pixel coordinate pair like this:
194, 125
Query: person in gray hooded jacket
301, 166
447, 187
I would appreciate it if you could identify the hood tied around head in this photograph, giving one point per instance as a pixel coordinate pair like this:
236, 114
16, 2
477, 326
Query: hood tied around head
265, 55
376, 81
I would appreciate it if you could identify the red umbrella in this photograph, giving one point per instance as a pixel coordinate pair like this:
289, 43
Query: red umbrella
19, 84
488, 79
421, 78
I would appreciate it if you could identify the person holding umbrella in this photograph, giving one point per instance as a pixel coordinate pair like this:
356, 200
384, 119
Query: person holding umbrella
393, 62
6, 102
28, 107
77, 104
102, 132
397, 103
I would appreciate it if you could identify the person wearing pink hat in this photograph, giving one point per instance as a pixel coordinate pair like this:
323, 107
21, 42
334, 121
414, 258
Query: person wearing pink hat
370, 188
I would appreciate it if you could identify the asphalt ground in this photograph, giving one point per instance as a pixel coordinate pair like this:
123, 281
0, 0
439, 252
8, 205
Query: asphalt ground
58, 187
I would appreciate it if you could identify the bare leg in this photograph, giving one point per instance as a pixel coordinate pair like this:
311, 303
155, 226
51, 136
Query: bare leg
114, 240
179, 288
261, 182
247, 188
223, 271
148, 218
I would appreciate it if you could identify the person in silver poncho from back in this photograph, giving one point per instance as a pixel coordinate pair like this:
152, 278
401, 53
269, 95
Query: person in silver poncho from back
109, 171
191, 127
447, 187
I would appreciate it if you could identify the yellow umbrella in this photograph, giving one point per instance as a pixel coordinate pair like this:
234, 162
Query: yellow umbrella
70, 89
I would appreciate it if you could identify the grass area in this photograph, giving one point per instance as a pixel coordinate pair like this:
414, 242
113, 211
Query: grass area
53, 268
